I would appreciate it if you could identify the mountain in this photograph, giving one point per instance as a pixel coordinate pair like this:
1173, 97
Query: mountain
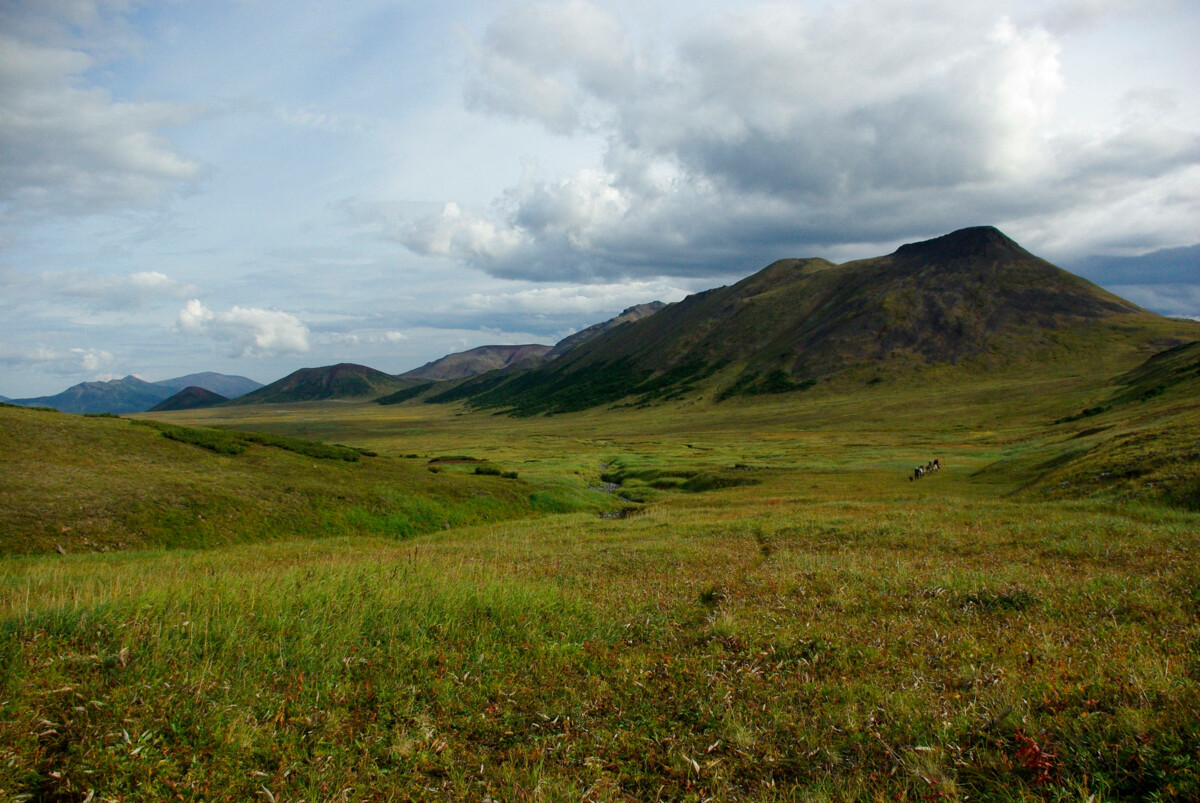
595, 330
222, 384
341, 381
1165, 266
970, 297
477, 361
135, 395
190, 398
127, 395
481, 360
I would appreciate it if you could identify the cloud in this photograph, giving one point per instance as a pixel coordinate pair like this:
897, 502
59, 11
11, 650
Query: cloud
70, 147
365, 338
113, 292
1179, 300
779, 131
575, 300
56, 361
248, 332
548, 62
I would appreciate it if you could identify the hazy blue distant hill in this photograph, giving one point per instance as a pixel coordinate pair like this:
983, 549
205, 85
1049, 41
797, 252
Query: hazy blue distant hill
1166, 266
127, 395
222, 384
132, 394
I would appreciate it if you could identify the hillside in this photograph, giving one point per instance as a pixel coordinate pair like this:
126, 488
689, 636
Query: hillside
463, 364
973, 299
190, 398
630, 315
83, 484
1139, 443
341, 381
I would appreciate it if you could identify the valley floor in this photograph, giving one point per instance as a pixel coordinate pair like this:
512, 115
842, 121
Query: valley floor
764, 608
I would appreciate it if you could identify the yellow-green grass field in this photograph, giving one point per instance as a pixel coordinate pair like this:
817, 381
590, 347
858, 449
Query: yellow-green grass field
738, 601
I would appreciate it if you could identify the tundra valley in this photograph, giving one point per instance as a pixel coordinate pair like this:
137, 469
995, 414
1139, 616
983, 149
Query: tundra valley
685, 556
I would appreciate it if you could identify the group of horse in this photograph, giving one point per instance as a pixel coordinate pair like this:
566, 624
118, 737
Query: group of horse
928, 468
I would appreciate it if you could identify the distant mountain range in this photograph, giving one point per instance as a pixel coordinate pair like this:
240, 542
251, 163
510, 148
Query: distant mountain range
1166, 266
478, 361
134, 395
972, 295
342, 381
222, 384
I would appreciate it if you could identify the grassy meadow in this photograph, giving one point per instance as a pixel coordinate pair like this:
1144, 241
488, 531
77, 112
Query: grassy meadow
694, 601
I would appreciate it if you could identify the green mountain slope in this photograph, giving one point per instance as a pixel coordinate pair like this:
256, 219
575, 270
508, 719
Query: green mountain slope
341, 381
629, 315
1141, 442
81, 484
477, 361
1176, 370
973, 298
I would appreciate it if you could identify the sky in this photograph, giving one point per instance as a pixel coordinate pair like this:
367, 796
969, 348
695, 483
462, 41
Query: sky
256, 186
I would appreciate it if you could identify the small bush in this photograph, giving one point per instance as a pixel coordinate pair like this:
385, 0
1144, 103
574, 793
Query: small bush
711, 482
215, 440
233, 442
1086, 413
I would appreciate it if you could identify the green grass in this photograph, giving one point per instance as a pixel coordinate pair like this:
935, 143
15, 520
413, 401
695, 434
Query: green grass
789, 650
831, 632
83, 484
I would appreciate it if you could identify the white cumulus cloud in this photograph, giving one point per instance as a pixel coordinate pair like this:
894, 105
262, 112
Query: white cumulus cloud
67, 362
248, 332
781, 129
70, 147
